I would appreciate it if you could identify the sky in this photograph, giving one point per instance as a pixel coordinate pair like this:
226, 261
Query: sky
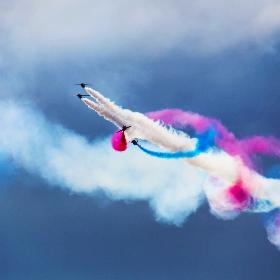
217, 58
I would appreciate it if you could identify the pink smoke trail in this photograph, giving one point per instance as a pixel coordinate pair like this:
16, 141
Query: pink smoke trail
226, 140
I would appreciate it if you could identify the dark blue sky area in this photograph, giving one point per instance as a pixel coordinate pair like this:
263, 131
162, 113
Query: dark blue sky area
50, 234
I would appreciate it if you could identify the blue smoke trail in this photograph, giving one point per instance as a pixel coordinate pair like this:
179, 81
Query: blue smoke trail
204, 142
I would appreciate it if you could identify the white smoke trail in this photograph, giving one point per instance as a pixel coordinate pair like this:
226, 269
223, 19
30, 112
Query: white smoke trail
226, 168
141, 126
173, 189
217, 164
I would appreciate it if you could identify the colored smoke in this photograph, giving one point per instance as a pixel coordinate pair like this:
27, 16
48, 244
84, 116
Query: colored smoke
205, 141
118, 141
246, 149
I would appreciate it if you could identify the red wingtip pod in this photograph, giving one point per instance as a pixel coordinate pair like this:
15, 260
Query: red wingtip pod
118, 141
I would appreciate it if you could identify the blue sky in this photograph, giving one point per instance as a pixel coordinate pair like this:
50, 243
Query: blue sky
217, 58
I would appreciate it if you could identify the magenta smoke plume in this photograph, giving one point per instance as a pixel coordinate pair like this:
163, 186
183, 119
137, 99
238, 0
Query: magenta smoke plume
226, 140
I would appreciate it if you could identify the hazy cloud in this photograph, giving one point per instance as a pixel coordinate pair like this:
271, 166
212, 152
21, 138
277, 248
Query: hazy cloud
140, 27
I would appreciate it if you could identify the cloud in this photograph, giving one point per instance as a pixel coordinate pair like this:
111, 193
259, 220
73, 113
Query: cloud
139, 27
70, 161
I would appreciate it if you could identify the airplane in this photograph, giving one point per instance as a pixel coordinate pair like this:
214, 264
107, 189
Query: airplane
82, 95
134, 142
124, 128
83, 85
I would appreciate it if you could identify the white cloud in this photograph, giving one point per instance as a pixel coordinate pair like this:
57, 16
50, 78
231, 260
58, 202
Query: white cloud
63, 158
140, 27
